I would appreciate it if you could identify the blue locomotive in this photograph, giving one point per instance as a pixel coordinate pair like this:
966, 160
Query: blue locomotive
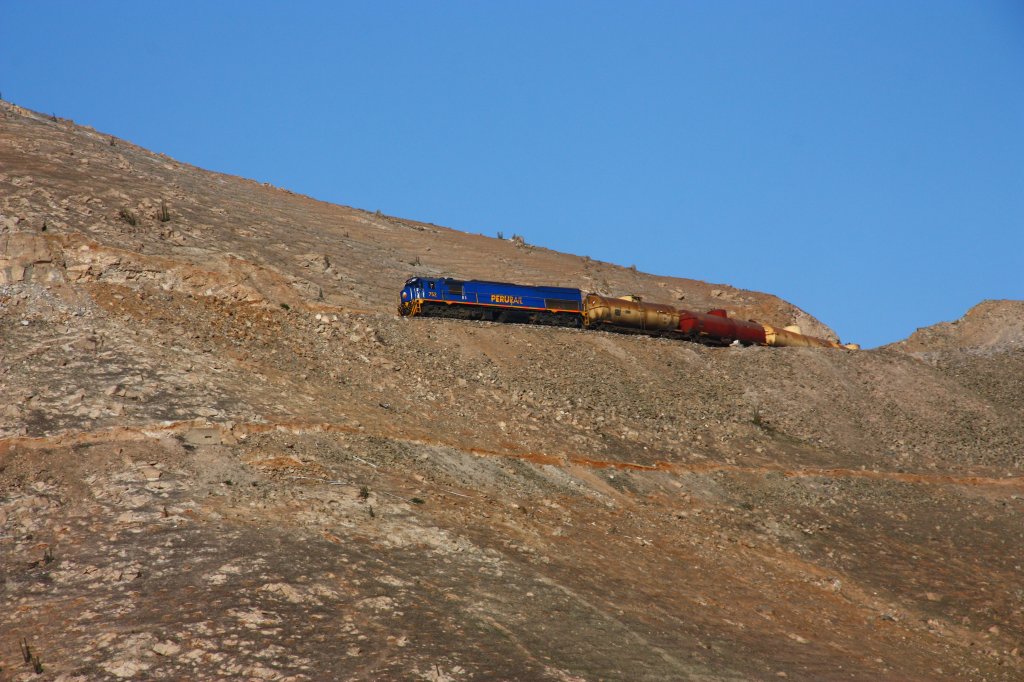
496, 301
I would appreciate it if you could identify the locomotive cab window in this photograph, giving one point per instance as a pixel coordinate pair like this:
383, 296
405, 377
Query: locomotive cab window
431, 285
618, 312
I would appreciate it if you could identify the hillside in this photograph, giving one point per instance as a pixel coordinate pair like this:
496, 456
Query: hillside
222, 454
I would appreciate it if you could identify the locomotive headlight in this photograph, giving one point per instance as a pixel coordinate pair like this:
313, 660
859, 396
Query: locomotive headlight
405, 294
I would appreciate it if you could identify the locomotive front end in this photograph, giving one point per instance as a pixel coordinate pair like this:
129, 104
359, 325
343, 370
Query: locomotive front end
410, 297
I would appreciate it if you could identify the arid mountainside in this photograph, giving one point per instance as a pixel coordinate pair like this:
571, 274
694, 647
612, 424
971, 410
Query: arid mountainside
223, 455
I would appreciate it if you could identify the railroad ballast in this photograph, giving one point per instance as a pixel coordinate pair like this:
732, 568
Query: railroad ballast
562, 306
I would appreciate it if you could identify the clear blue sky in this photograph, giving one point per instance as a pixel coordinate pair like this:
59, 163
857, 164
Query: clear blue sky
864, 160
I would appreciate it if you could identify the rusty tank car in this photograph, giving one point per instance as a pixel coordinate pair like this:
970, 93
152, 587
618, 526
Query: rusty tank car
630, 313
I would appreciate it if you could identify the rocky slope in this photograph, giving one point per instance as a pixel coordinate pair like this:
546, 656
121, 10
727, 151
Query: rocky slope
223, 455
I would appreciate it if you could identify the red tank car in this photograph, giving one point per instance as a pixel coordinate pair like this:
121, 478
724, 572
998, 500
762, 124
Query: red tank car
716, 327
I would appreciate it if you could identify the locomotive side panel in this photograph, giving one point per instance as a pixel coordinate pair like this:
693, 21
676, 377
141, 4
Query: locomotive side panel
554, 299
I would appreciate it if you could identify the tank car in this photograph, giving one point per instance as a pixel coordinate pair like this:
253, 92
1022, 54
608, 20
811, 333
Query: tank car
792, 336
628, 312
715, 327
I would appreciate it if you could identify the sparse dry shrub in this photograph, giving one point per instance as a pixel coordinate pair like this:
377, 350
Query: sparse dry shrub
126, 215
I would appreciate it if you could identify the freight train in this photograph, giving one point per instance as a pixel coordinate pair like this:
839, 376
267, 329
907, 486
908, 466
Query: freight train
567, 307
